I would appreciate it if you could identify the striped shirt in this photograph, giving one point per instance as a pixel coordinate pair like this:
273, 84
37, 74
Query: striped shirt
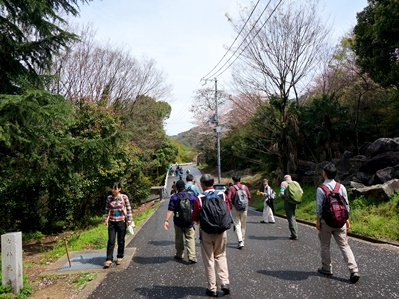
117, 209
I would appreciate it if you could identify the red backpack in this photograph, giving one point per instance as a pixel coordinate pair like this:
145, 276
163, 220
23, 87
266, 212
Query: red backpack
335, 212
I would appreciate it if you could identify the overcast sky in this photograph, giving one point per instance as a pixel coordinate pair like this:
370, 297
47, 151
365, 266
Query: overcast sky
186, 38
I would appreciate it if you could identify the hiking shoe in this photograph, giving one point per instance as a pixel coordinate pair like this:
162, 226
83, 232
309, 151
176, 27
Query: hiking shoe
354, 277
240, 244
119, 261
107, 264
322, 271
225, 288
211, 293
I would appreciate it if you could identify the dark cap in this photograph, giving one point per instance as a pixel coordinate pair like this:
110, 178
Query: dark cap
180, 184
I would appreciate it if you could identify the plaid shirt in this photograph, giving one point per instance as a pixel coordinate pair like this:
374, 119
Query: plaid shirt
114, 208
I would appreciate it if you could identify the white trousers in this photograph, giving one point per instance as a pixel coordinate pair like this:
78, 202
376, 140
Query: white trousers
267, 213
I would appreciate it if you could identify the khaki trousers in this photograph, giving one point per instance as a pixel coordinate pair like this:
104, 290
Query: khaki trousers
189, 235
240, 222
213, 251
341, 239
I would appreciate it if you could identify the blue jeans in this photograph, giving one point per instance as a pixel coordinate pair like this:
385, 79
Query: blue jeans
116, 228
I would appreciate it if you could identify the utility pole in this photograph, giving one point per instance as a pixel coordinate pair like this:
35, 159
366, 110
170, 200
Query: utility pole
218, 128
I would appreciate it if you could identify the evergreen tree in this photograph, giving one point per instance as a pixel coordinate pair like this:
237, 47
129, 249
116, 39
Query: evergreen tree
30, 35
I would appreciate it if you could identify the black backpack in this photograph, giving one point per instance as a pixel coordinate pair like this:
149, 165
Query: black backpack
214, 213
185, 210
334, 211
241, 198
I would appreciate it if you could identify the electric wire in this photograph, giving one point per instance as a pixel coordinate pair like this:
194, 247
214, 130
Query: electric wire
216, 74
227, 51
239, 46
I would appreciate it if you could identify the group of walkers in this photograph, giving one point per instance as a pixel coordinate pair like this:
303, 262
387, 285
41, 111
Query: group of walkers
214, 211
231, 206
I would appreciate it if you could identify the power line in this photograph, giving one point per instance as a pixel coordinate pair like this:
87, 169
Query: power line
217, 72
227, 51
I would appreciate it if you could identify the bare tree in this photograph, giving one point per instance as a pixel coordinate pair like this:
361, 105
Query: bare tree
102, 72
280, 55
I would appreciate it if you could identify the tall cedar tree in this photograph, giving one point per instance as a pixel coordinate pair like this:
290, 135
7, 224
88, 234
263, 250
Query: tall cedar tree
30, 35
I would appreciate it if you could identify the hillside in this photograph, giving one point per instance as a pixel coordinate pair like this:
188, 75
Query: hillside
188, 138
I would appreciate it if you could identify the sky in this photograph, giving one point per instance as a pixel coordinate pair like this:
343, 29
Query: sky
187, 38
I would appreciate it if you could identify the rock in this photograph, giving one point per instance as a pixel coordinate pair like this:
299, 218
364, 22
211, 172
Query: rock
382, 145
381, 192
384, 175
364, 177
381, 161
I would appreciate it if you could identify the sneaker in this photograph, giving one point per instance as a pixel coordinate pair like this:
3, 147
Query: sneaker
354, 277
322, 271
240, 244
263, 221
272, 222
119, 261
211, 293
293, 238
225, 288
192, 261
107, 264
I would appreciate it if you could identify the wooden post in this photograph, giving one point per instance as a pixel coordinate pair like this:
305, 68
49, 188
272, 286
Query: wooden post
67, 252
11, 261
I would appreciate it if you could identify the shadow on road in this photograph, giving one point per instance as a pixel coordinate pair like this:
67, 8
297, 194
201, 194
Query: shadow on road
298, 275
162, 243
170, 292
151, 260
268, 238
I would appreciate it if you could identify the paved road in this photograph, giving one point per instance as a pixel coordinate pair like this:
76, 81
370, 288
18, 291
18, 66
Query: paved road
269, 266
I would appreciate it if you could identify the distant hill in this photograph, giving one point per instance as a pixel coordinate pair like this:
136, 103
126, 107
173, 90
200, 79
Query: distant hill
188, 138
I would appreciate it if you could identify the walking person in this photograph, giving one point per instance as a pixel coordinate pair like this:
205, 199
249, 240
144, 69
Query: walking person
268, 204
339, 233
239, 212
117, 212
292, 192
190, 186
173, 190
213, 241
181, 205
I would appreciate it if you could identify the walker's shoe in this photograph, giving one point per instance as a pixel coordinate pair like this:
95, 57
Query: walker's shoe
240, 245
324, 272
263, 221
119, 261
178, 258
211, 293
354, 277
225, 288
107, 264
293, 238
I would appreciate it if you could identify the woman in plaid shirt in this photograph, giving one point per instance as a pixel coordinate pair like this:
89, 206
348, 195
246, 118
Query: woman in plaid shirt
117, 212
